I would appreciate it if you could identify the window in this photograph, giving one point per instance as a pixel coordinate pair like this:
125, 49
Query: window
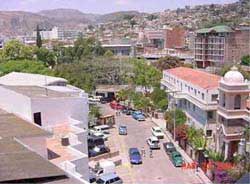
237, 102
37, 118
210, 115
195, 91
203, 96
209, 133
193, 107
214, 97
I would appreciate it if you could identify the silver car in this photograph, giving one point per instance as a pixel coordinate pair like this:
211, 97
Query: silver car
110, 178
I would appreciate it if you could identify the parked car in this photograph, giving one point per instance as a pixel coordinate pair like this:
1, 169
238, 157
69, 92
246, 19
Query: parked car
102, 128
94, 141
94, 99
101, 134
157, 132
153, 142
127, 111
98, 150
122, 130
110, 178
135, 156
104, 167
169, 147
138, 115
105, 100
176, 158
115, 105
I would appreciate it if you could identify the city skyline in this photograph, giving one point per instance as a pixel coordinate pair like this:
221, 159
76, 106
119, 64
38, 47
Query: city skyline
103, 6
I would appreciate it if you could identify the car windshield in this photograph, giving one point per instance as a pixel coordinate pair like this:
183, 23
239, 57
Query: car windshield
157, 130
135, 153
177, 155
122, 127
100, 181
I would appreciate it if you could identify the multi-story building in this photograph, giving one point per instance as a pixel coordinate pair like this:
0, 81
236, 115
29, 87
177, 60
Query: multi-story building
23, 153
221, 45
57, 33
49, 103
170, 38
232, 114
195, 92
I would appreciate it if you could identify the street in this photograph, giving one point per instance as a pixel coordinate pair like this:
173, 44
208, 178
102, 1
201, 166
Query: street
158, 169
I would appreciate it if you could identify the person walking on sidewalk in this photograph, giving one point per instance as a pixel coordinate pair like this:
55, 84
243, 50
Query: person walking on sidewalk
143, 152
151, 153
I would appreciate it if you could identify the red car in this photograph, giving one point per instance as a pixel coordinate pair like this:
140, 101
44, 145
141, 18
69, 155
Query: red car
116, 105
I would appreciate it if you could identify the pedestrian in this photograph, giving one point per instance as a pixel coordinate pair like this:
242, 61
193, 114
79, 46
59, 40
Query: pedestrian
151, 153
143, 152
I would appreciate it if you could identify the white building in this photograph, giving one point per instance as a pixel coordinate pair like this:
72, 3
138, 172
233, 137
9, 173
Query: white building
196, 93
57, 33
56, 107
233, 113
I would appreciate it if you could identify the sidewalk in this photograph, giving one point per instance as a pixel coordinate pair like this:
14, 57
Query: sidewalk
162, 124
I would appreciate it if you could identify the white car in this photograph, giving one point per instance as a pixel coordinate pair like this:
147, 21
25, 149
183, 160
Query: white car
153, 142
94, 99
99, 134
157, 132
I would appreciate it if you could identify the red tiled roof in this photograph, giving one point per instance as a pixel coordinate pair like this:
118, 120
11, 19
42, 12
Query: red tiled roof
196, 77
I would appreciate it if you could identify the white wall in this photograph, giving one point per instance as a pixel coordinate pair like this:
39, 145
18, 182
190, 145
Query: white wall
192, 90
15, 103
58, 110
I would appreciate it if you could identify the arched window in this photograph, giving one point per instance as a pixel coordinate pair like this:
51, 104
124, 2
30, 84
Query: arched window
237, 102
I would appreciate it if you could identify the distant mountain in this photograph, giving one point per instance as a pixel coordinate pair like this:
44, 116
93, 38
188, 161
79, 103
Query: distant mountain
14, 23
117, 16
68, 17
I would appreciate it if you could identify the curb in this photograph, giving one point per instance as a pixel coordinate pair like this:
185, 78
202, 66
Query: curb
202, 176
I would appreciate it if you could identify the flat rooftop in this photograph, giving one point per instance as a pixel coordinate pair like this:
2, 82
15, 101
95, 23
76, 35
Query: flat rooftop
19, 163
13, 126
37, 91
196, 77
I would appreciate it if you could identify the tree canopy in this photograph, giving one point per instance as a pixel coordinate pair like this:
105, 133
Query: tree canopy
245, 60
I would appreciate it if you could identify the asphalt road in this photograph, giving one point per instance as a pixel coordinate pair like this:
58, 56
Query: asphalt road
156, 170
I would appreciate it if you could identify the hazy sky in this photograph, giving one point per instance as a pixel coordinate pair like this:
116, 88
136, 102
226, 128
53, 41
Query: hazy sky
103, 6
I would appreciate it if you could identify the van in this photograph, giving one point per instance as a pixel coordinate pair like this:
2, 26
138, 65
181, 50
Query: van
102, 128
104, 167
111, 178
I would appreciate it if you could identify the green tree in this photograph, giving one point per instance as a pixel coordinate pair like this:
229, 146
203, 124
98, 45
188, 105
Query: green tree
109, 53
26, 66
245, 60
145, 75
14, 50
168, 62
180, 118
48, 57
38, 37
159, 98
95, 111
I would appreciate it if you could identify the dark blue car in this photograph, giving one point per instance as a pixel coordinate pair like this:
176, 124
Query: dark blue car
135, 156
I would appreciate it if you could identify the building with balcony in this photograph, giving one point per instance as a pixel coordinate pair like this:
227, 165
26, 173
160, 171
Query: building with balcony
232, 114
220, 45
196, 93
53, 105
23, 153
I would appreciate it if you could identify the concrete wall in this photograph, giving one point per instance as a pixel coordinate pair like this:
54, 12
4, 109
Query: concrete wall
15, 103
82, 167
192, 90
55, 111
37, 144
